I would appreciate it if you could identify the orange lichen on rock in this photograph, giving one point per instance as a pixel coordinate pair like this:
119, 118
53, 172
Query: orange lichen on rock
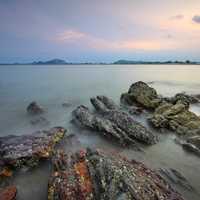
83, 177
8, 193
6, 172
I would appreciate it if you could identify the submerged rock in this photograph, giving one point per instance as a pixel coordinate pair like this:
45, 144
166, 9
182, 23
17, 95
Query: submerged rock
40, 121
8, 193
34, 109
27, 150
142, 94
94, 175
123, 120
175, 177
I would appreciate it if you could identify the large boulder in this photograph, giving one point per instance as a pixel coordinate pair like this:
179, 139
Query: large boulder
142, 94
27, 150
94, 175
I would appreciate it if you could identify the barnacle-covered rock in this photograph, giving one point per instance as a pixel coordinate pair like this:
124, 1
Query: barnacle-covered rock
95, 175
27, 150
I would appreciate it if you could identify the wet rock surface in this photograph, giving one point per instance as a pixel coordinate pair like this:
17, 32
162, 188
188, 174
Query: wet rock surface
91, 174
8, 193
112, 122
27, 150
34, 108
175, 177
142, 94
123, 120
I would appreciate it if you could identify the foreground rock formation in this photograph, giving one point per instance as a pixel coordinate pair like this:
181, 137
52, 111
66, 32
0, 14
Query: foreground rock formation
112, 122
8, 193
93, 175
27, 150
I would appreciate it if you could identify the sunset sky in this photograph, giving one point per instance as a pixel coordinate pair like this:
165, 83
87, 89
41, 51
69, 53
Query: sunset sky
99, 30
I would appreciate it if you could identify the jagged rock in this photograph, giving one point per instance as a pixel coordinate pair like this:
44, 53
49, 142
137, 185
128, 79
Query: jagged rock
94, 175
34, 109
84, 118
123, 120
40, 121
27, 150
140, 93
177, 117
8, 193
175, 177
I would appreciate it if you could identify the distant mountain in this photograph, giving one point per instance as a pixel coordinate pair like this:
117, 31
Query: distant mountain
51, 62
128, 62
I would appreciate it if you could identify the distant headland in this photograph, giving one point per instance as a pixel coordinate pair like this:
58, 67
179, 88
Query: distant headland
119, 62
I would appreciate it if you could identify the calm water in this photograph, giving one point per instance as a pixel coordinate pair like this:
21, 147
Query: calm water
53, 85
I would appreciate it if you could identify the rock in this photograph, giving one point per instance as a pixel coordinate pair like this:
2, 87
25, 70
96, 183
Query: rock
27, 150
123, 121
34, 109
191, 148
140, 93
135, 110
66, 105
195, 140
175, 177
93, 175
8, 193
40, 121
176, 117
84, 118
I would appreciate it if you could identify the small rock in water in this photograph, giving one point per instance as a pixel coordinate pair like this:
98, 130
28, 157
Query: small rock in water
8, 193
92, 175
66, 105
40, 121
34, 109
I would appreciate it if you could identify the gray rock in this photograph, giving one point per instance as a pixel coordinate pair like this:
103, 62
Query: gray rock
34, 109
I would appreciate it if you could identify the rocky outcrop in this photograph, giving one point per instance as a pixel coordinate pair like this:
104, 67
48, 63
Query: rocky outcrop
141, 94
123, 120
84, 118
177, 117
34, 108
27, 150
8, 193
95, 175
112, 122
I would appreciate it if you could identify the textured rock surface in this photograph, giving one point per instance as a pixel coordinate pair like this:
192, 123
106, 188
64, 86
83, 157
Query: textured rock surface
8, 193
27, 150
123, 120
34, 108
177, 117
175, 177
142, 94
92, 175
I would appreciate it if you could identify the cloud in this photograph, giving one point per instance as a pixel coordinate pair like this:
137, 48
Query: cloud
70, 35
196, 19
177, 17
83, 39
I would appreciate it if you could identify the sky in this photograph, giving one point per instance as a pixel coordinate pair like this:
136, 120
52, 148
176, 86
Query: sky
99, 30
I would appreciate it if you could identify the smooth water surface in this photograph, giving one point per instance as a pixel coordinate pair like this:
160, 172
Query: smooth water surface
51, 86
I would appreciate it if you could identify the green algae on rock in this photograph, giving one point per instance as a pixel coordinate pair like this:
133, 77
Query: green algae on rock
95, 175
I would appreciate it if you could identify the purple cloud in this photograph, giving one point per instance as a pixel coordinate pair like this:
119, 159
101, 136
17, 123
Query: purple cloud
177, 17
196, 19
